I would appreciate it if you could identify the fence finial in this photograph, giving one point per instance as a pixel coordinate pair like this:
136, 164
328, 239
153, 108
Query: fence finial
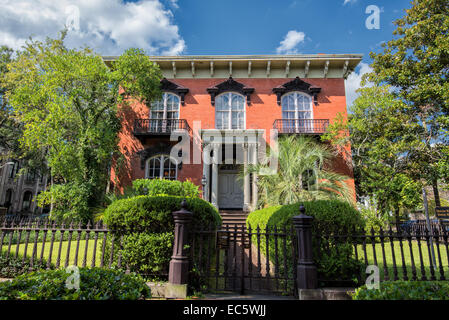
302, 209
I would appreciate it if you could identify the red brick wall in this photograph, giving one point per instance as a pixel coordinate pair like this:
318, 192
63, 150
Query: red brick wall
259, 115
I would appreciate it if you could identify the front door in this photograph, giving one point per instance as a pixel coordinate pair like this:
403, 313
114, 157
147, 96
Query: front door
230, 193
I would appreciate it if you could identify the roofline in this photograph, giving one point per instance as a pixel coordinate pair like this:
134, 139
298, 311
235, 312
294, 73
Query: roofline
274, 57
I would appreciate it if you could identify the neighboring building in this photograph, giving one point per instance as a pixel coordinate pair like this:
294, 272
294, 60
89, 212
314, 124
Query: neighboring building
241, 97
17, 192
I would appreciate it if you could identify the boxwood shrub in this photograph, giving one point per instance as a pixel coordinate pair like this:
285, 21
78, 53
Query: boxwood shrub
94, 284
146, 224
405, 290
155, 187
335, 262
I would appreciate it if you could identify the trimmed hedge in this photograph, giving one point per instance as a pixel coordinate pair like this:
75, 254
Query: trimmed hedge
405, 290
156, 187
147, 226
154, 214
94, 284
335, 262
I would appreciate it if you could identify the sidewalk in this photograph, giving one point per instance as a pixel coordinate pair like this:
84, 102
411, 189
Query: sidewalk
245, 297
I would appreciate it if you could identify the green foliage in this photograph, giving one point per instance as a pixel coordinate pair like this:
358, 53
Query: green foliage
69, 102
154, 214
148, 228
148, 253
68, 200
95, 284
331, 217
11, 267
405, 290
155, 187
302, 174
383, 141
373, 220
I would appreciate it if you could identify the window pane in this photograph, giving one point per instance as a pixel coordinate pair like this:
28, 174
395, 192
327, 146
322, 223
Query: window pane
237, 102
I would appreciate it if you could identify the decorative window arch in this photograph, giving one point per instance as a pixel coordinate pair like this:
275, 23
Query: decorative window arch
297, 105
230, 111
161, 166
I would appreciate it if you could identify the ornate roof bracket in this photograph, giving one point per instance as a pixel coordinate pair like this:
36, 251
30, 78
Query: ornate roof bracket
297, 85
169, 86
228, 86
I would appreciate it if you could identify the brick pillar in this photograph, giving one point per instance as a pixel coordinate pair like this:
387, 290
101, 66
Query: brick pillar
179, 263
306, 269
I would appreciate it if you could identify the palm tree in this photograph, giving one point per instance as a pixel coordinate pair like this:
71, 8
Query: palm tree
302, 174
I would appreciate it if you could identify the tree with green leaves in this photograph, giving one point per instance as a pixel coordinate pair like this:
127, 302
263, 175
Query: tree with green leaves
382, 137
416, 64
398, 125
10, 130
303, 174
68, 101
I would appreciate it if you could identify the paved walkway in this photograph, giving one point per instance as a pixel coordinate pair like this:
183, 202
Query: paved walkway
245, 297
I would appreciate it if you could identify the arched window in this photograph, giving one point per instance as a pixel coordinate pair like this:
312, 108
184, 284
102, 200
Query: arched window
26, 202
230, 111
161, 167
297, 111
166, 108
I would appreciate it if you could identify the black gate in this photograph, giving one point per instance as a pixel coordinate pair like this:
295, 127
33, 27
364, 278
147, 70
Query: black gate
243, 260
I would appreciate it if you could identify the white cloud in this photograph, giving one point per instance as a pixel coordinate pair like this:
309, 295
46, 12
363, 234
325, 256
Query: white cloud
291, 40
352, 83
107, 26
349, 1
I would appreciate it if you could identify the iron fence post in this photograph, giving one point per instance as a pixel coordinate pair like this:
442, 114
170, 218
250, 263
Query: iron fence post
306, 276
179, 263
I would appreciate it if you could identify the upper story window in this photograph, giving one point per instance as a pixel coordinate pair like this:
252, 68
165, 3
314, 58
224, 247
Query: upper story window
161, 167
13, 169
230, 111
166, 108
297, 105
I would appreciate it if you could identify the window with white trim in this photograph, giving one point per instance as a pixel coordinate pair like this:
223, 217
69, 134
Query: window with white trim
230, 111
161, 167
297, 112
166, 108
297, 105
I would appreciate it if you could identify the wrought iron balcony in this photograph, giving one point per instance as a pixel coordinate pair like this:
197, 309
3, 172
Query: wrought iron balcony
149, 127
301, 126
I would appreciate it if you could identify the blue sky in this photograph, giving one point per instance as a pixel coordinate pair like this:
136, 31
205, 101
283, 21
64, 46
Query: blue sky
206, 27
258, 26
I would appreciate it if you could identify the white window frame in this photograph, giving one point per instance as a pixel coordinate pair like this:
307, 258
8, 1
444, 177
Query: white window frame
297, 118
162, 158
164, 113
230, 111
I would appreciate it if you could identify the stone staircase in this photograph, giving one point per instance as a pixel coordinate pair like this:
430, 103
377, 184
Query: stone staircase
233, 218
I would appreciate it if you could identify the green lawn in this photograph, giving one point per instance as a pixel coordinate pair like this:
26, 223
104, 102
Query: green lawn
62, 248
407, 256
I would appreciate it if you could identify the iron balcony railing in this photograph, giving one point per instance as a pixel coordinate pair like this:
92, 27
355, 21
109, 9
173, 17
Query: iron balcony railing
301, 126
159, 126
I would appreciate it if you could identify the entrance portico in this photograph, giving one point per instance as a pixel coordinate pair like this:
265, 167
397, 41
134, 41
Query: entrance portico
226, 155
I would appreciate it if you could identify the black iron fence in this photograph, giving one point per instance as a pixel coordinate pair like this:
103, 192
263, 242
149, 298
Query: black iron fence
59, 244
413, 254
235, 258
